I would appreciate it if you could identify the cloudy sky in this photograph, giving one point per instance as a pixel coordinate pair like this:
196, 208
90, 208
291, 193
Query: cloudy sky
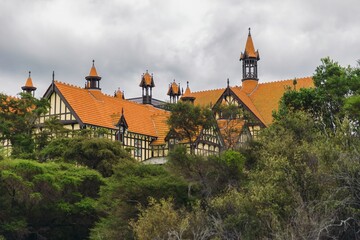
199, 41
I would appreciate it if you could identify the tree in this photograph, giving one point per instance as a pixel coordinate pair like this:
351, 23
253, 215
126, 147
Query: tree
231, 120
131, 185
334, 97
208, 175
162, 220
47, 200
96, 153
51, 129
18, 121
188, 120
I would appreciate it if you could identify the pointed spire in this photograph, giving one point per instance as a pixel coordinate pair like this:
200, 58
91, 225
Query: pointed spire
93, 72
187, 96
29, 82
93, 80
228, 83
29, 87
250, 57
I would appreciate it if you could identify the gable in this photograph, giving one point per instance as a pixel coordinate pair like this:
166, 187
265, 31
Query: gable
266, 96
95, 108
235, 96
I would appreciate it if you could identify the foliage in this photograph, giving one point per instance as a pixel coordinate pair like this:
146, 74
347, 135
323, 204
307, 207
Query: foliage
18, 120
132, 184
335, 97
51, 129
230, 122
161, 220
96, 153
188, 120
208, 176
46, 200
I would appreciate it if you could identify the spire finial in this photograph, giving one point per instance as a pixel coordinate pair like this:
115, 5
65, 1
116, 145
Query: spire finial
29, 74
249, 31
228, 82
122, 111
187, 83
93, 62
53, 76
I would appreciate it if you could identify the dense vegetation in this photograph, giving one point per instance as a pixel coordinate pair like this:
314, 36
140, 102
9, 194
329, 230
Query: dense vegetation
299, 180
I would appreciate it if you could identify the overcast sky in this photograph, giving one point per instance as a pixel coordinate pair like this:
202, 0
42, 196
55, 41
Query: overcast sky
199, 41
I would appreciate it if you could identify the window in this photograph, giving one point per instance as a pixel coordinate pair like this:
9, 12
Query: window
137, 145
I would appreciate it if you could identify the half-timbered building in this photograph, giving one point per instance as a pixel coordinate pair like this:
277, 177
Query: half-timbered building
140, 123
255, 101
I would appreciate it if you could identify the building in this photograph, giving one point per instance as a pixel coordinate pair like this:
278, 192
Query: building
140, 123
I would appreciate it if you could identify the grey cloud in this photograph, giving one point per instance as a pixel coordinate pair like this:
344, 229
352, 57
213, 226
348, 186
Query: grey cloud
196, 41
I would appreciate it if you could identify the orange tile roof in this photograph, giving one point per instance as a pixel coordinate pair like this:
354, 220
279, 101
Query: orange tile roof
249, 48
247, 101
266, 96
93, 72
29, 82
262, 101
96, 108
208, 97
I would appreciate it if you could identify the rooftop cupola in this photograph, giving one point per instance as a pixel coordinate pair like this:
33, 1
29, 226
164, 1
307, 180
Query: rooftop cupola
174, 92
147, 83
29, 87
93, 80
187, 96
250, 57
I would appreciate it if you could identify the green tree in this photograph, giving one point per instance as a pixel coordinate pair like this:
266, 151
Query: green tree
208, 175
334, 97
51, 129
162, 220
230, 122
188, 120
96, 153
130, 186
18, 119
47, 200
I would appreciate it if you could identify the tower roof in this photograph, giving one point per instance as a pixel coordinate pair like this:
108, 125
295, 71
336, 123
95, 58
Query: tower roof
28, 84
93, 79
174, 89
187, 94
249, 49
147, 80
93, 72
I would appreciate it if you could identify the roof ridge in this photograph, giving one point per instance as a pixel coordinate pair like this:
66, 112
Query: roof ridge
208, 90
284, 80
68, 84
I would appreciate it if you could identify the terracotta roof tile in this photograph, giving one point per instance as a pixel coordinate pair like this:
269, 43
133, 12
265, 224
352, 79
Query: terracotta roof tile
249, 49
266, 96
263, 100
93, 72
29, 82
248, 102
207, 97
95, 108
